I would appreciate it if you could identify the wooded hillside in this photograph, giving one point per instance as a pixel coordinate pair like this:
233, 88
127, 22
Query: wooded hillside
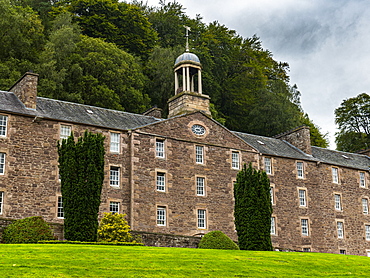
120, 55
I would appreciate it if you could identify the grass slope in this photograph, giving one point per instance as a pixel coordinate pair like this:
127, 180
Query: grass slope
57, 260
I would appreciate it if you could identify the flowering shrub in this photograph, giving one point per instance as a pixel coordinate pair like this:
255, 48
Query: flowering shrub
114, 227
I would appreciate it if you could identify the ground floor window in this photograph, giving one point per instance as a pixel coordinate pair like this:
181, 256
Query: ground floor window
60, 210
202, 224
161, 216
1, 201
114, 207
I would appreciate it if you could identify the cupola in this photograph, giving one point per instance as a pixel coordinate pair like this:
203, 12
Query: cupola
188, 85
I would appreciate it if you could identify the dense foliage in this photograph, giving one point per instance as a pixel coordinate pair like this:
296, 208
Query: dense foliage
253, 209
27, 230
353, 119
217, 240
120, 55
114, 227
81, 169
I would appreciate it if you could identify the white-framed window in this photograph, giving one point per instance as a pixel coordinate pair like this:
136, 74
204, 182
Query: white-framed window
201, 186
342, 251
268, 168
340, 229
306, 249
201, 219
60, 210
3, 125
365, 206
272, 194
300, 173
367, 232
1, 201
235, 160
161, 216
65, 131
273, 226
114, 142
159, 148
304, 227
334, 173
114, 176
302, 198
199, 154
2, 163
337, 202
362, 180
161, 181
114, 207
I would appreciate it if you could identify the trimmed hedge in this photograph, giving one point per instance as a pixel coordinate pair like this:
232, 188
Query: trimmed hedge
28, 230
217, 240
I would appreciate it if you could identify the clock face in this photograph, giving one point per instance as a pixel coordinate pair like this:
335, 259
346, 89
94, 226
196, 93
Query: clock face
198, 130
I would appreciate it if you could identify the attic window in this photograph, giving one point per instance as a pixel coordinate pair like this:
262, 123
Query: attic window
89, 111
344, 156
260, 142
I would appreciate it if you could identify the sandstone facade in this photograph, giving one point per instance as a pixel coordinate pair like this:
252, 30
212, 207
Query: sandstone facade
175, 176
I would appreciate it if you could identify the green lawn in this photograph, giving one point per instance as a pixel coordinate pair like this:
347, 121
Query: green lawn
68, 260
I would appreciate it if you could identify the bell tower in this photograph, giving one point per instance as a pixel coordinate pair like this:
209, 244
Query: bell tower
188, 85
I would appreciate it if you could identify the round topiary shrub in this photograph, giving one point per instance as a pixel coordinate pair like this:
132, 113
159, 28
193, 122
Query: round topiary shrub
217, 240
28, 230
114, 227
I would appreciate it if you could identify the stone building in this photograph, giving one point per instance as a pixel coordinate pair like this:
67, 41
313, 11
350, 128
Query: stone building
176, 175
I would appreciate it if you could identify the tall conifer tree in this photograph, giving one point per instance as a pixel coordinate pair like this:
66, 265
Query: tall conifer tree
253, 209
81, 168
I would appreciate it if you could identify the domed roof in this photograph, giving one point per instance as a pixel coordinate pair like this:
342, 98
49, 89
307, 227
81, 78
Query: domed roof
187, 57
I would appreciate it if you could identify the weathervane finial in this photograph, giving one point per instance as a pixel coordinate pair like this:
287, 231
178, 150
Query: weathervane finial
187, 37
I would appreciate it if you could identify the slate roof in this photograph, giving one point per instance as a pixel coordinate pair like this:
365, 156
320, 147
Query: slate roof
76, 113
272, 146
351, 160
277, 147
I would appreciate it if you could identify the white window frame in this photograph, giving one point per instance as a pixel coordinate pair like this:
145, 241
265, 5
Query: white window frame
340, 229
1, 202
114, 176
199, 154
362, 180
335, 174
161, 216
202, 219
160, 181
338, 201
302, 196
115, 140
160, 148
3, 125
60, 209
65, 131
2, 163
201, 186
273, 226
367, 232
272, 194
235, 160
114, 207
300, 170
268, 165
305, 227
365, 205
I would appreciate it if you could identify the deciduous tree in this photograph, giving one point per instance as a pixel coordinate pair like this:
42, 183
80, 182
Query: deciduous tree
353, 119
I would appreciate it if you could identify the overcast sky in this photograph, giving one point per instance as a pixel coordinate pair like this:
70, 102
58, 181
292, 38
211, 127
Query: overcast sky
325, 42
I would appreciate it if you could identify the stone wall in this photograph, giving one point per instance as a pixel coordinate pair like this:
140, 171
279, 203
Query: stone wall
167, 240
